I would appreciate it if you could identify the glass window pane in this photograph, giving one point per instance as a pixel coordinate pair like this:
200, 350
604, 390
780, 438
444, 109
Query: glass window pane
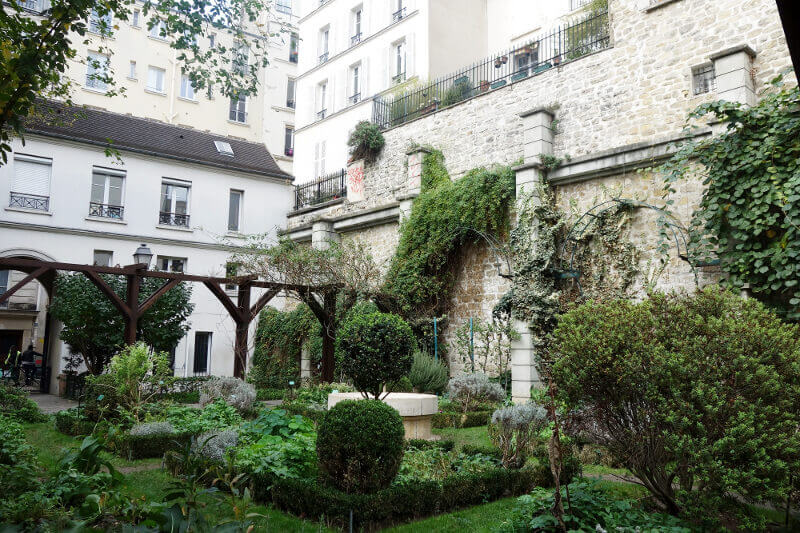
233, 211
181, 200
115, 190
166, 198
98, 188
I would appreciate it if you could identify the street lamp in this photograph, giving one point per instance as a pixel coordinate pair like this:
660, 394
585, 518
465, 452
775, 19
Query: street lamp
143, 255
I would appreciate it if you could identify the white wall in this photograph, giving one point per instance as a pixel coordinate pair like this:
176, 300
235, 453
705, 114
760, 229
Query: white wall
515, 22
65, 234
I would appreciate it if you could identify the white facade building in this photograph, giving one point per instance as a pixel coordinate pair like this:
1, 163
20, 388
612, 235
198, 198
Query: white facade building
352, 50
188, 195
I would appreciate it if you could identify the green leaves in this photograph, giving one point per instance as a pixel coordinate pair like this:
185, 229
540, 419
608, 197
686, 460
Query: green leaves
749, 215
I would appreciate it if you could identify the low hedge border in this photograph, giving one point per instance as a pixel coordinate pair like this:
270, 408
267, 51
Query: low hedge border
461, 420
264, 395
316, 415
398, 503
422, 444
72, 422
149, 446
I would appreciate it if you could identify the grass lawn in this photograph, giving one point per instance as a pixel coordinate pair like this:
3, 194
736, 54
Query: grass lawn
477, 436
482, 518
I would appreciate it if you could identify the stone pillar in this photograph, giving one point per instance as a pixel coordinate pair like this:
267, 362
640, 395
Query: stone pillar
538, 140
733, 70
305, 364
355, 181
323, 234
414, 176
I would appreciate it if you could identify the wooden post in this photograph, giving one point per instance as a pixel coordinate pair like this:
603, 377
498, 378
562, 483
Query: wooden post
328, 337
242, 327
132, 301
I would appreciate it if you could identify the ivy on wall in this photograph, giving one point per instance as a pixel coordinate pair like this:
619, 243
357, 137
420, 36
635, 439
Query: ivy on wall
278, 343
749, 215
442, 218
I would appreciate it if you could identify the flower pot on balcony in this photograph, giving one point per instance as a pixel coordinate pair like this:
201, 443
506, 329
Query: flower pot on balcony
484, 86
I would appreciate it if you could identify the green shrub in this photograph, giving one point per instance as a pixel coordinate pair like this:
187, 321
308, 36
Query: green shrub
137, 372
403, 385
263, 395
434, 463
589, 509
278, 344
277, 445
461, 420
150, 445
15, 404
458, 92
101, 398
313, 412
571, 467
470, 390
73, 422
18, 470
366, 141
216, 415
514, 429
375, 350
427, 374
422, 444
490, 451
318, 394
360, 445
697, 394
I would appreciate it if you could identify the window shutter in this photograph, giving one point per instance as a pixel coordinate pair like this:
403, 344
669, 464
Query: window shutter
32, 177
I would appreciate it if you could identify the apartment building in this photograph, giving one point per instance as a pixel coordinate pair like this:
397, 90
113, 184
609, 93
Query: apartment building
190, 196
148, 70
353, 50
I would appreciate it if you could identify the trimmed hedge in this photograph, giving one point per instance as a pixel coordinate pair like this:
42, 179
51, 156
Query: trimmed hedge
263, 395
469, 419
491, 451
73, 422
316, 415
399, 503
422, 444
149, 446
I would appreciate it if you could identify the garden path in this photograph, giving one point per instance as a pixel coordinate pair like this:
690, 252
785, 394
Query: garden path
50, 403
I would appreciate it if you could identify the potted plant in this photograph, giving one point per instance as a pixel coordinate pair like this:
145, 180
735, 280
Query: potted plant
484, 86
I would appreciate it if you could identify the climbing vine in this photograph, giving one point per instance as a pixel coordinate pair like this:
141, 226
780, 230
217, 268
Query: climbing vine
444, 217
749, 215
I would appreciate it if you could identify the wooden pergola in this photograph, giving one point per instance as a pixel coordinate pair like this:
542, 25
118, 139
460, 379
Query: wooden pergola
242, 310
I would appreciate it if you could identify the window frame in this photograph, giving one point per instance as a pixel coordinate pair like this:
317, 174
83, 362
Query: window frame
186, 82
231, 194
240, 110
288, 135
291, 83
94, 83
209, 335
173, 201
153, 68
110, 257
170, 262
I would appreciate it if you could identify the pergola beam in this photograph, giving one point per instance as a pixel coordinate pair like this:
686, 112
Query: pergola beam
27, 279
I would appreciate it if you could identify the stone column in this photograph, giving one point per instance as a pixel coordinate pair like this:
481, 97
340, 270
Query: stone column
305, 364
355, 181
733, 69
538, 140
323, 234
414, 176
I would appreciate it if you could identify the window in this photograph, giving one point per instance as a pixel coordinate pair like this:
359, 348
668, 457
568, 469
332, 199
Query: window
132, 70
96, 71
399, 12
202, 352
31, 5
31, 187
324, 42
224, 148
155, 79
322, 98
231, 271
99, 24
238, 108
3, 286
174, 204
234, 209
294, 45
136, 15
106, 196
171, 264
319, 159
187, 89
355, 84
288, 141
357, 15
399, 62
159, 30
704, 79
284, 6
212, 40
103, 258
291, 89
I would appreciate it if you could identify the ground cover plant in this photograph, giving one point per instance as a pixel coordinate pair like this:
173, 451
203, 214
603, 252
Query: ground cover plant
697, 395
15, 404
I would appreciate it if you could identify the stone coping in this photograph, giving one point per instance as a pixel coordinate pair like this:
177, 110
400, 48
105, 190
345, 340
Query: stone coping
407, 403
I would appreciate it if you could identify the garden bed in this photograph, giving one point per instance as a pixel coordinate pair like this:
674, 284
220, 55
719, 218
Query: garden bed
459, 419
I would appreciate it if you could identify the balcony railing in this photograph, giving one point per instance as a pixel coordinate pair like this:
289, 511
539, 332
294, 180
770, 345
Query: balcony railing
173, 219
290, 104
32, 5
292, 57
356, 98
323, 58
399, 78
321, 190
399, 15
355, 39
29, 201
567, 43
106, 210
322, 113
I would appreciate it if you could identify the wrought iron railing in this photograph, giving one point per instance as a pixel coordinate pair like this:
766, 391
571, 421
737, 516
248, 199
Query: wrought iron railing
564, 44
323, 57
355, 39
173, 219
354, 99
29, 201
290, 104
105, 210
399, 78
321, 190
322, 113
399, 15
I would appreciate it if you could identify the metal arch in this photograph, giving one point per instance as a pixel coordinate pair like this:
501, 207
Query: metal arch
677, 230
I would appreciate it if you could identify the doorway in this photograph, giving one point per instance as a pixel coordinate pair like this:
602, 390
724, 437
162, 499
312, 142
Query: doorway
9, 338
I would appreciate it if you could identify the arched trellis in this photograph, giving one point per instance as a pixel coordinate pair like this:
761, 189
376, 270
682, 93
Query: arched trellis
672, 229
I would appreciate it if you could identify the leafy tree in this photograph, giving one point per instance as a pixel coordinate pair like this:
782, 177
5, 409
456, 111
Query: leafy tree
93, 327
37, 49
749, 216
699, 396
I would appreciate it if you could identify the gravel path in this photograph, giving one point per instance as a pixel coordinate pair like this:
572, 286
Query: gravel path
50, 403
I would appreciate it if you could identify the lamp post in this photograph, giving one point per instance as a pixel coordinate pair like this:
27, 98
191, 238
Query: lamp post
143, 255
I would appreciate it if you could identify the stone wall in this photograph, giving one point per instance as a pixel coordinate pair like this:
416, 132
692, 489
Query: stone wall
614, 112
